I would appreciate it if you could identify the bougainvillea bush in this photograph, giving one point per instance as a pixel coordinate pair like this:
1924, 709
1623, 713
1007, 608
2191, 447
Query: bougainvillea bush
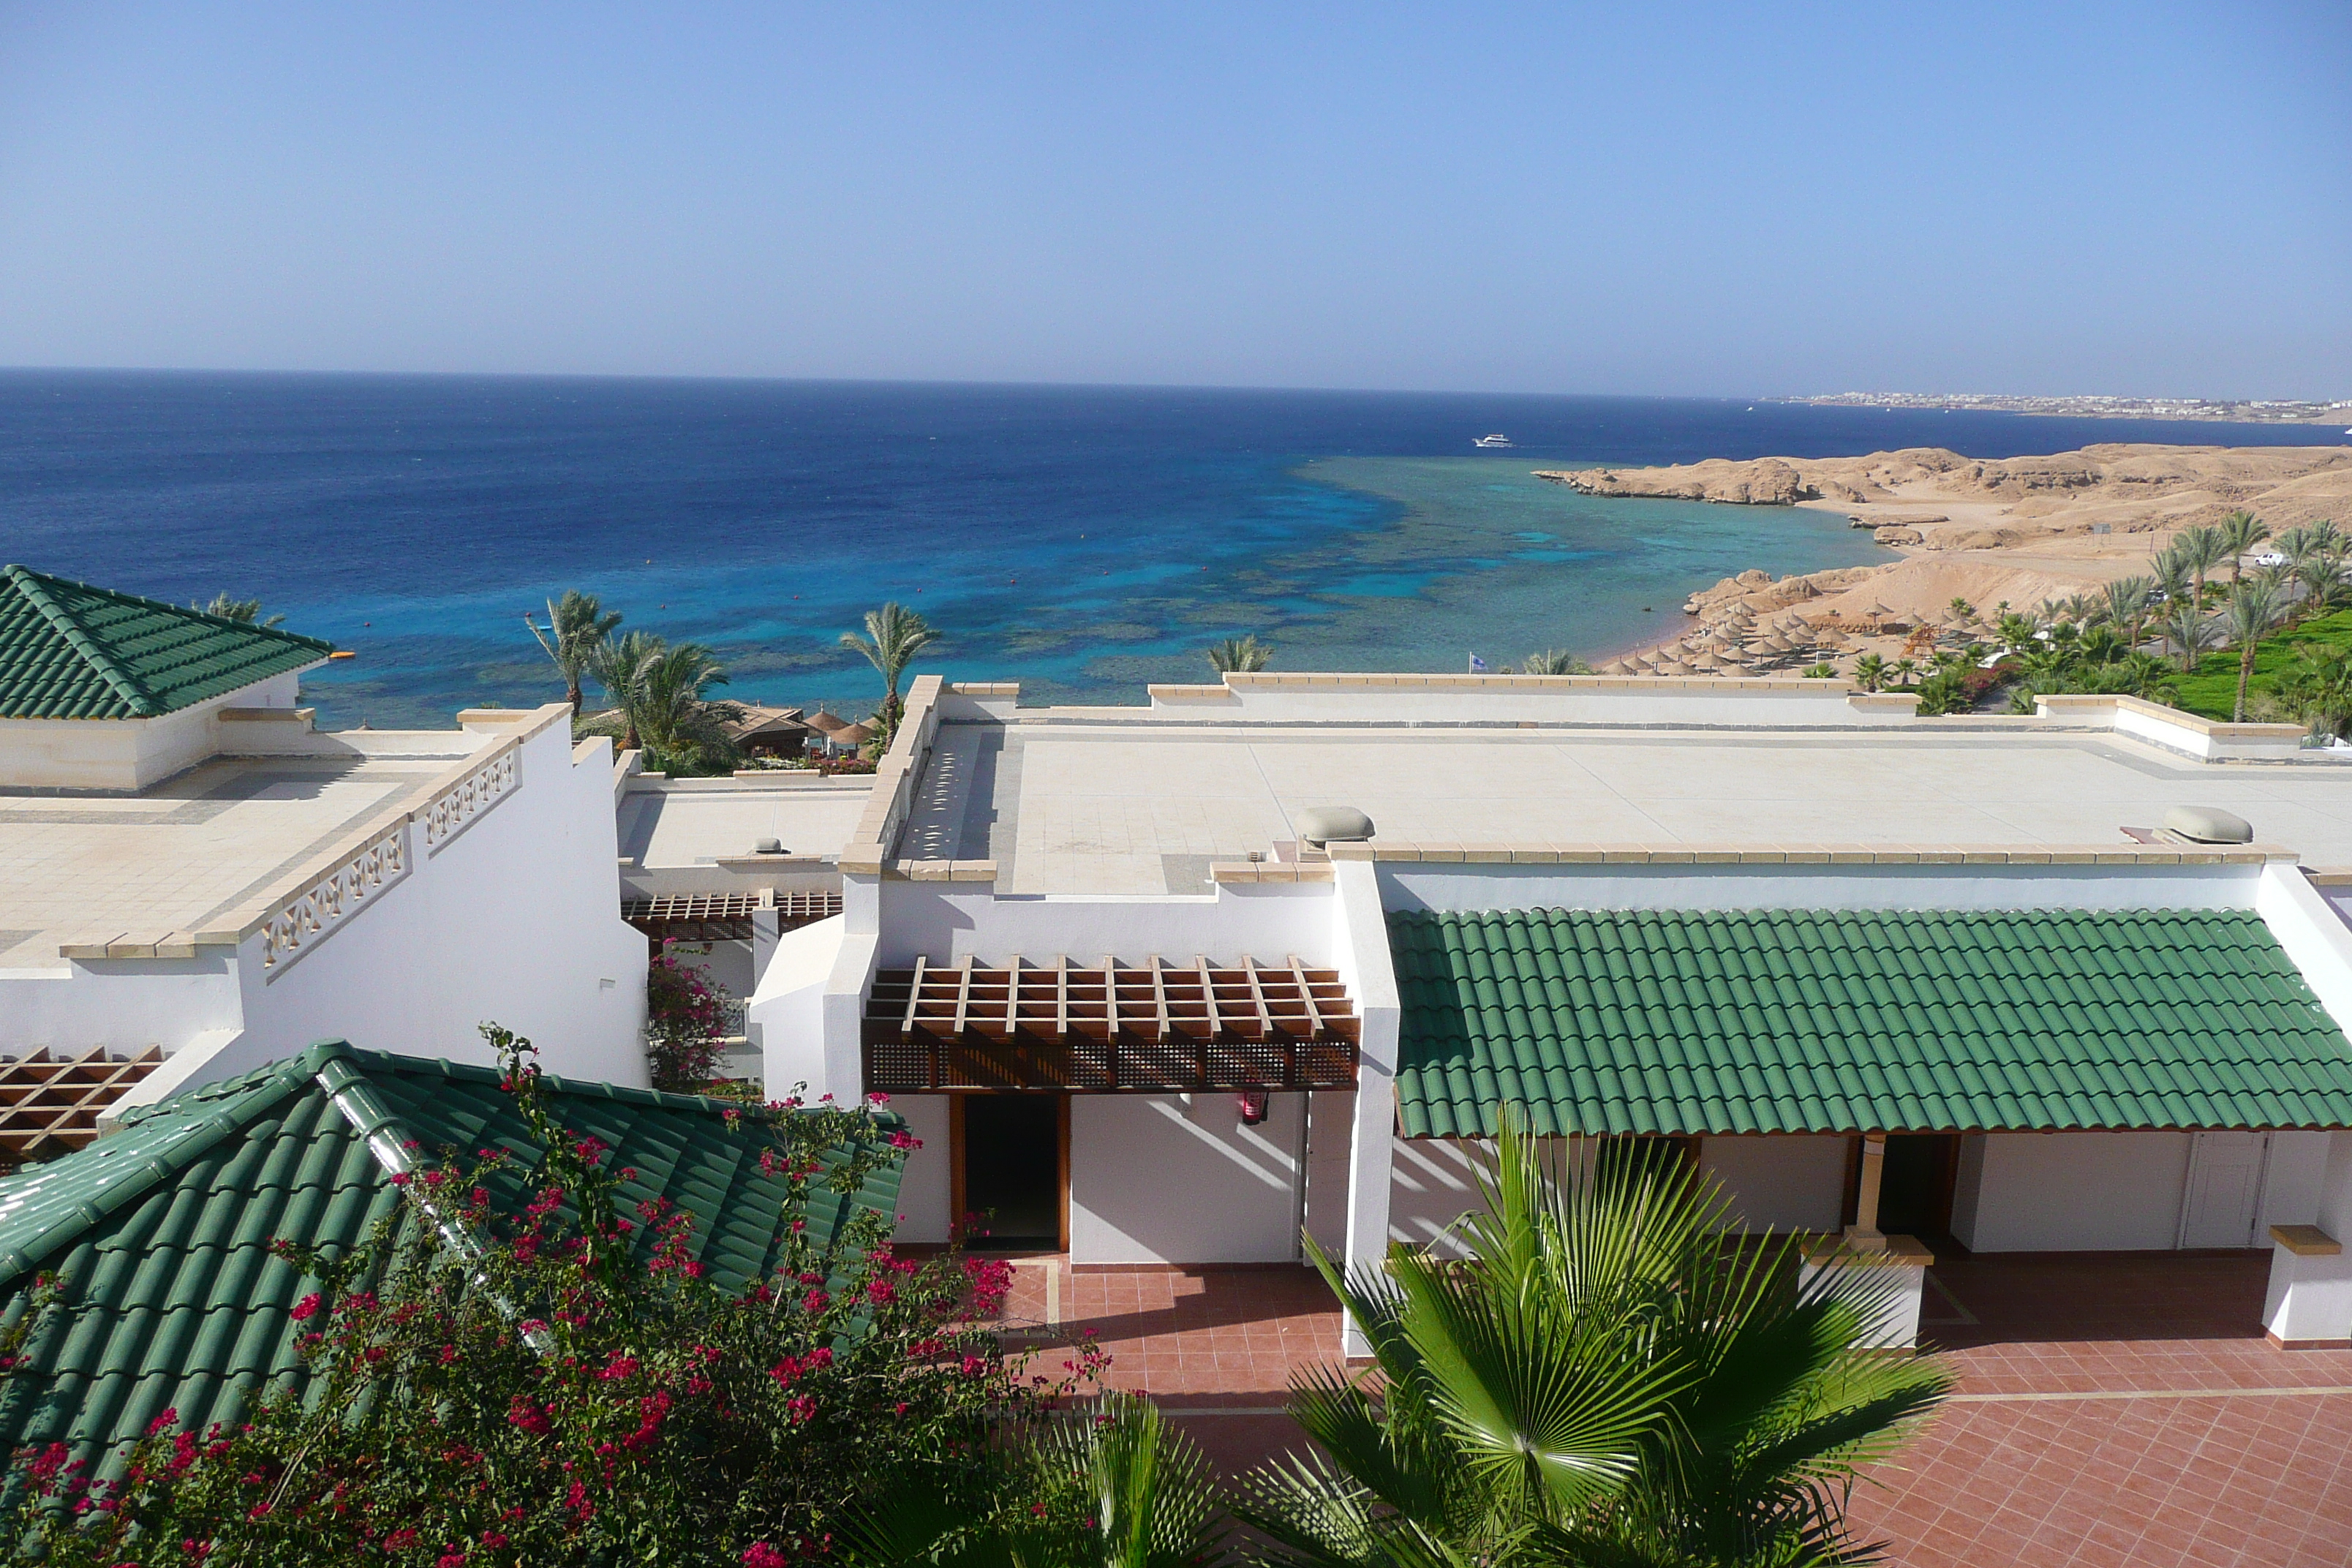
568, 1386
684, 1029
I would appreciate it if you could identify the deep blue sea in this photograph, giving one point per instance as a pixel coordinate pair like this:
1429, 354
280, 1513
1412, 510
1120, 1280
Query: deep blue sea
1082, 539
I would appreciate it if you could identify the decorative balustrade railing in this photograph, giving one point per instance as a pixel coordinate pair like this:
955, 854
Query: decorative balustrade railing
311, 915
457, 806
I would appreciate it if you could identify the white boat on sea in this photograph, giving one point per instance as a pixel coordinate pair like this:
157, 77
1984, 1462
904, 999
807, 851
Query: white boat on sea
1492, 441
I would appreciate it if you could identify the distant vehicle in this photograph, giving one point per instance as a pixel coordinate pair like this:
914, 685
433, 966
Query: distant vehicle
1492, 441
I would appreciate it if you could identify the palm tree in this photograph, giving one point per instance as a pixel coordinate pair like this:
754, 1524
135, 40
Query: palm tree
1554, 661
1240, 654
2190, 633
2252, 607
1620, 1379
619, 665
894, 635
577, 625
1870, 672
2015, 633
1905, 671
1141, 1488
246, 612
672, 711
1962, 612
2126, 604
2317, 688
2241, 531
2203, 549
2172, 571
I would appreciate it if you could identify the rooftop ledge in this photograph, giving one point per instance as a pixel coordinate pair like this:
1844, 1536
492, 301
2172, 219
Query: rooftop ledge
510, 726
1810, 853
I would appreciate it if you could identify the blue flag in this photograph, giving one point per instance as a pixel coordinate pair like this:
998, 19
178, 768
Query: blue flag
1477, 665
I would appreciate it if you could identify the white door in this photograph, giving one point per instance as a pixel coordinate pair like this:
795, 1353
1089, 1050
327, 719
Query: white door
2225, 1189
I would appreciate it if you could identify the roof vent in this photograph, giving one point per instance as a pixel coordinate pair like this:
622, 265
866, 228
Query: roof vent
2205, 825
769, 846
1321, 824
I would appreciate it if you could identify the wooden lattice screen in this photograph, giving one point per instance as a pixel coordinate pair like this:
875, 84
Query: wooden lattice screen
723, 916
49, 1105
1149, 1028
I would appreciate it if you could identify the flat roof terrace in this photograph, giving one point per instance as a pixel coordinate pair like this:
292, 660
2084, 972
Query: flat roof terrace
1128, 803
185, 852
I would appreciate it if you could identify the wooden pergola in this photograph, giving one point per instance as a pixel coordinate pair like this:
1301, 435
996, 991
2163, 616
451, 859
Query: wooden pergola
723, 916
1148, 1029
49, 1105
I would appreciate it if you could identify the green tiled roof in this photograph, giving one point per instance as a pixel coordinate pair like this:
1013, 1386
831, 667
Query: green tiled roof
71, 651
161, 1232
1858, 1022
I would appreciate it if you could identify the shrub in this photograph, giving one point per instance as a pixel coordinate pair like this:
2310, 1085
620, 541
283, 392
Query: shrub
685, 1032
567, 1386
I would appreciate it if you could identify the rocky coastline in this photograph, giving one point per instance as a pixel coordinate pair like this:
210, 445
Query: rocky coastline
2018, 530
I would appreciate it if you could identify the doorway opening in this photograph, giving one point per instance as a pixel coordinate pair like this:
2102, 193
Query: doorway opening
1012, 1168
1914, 1187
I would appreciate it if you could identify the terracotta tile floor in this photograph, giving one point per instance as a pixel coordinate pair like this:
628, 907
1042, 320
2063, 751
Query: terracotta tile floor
2158, 1468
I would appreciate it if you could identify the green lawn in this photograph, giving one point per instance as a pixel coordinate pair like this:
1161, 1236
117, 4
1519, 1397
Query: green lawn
2213, 690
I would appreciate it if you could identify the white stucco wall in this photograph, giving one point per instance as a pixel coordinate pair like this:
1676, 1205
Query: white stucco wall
2069, 1191
2293, 1177
1780, 1183
948, 922
924, 1187
786, 1014
122, 754
515, 920
1434, 1183
1153, 1180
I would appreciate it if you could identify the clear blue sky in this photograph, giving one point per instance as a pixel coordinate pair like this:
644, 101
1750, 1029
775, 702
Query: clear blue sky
2136, 197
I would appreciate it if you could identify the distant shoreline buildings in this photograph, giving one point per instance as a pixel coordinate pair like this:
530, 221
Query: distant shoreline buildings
2266, 412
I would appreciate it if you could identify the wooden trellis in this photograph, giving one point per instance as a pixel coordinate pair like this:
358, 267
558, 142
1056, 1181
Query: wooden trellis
49, 1105
1150, 1028
723, 916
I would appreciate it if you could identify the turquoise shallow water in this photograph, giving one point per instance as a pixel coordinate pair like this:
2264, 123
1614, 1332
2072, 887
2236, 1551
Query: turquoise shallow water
1499, 563
1083, 540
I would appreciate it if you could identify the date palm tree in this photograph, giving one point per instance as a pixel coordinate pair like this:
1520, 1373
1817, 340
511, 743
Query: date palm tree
2203, 549
246, 612
619, 666
577, 625
674, 712
2126, 600
894, 635
1619, 1379
2190, 633
1554, 661
2241, 531
1240, 654
1870, 672
2317, 689
2254, 607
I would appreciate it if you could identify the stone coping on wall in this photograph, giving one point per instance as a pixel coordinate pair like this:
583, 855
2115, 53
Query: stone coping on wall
868, 853
1269, 871
2306, 1241
1807, 854
943, 870
233, 926
1342, 680
2215, 729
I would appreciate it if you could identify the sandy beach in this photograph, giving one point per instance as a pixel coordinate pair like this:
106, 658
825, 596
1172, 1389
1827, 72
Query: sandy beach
2020, 530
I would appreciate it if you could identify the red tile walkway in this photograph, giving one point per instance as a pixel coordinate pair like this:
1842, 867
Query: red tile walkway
2111, 1410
